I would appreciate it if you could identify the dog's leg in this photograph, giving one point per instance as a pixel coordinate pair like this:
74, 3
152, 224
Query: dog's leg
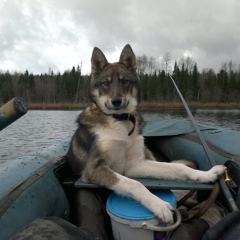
162, 170
122, 185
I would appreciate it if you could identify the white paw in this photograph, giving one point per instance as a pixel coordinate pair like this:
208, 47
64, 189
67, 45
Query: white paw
212, 175
162, 210
215, 172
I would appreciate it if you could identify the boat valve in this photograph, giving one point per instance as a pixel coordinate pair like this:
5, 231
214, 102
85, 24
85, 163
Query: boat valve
227, 179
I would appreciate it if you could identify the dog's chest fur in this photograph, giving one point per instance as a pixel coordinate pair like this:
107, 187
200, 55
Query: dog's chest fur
112, 140
119, 148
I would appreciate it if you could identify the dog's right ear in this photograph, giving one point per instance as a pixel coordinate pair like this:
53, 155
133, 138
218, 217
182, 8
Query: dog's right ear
99, 62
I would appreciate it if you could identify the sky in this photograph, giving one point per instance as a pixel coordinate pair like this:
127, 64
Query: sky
38, 35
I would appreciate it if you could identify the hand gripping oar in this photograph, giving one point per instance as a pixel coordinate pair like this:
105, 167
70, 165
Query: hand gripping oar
226, 192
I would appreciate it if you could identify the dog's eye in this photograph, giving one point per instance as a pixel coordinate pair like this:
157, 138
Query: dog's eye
125, 81
105, 83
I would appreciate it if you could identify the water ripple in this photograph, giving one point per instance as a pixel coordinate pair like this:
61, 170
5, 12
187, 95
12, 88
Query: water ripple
38, 129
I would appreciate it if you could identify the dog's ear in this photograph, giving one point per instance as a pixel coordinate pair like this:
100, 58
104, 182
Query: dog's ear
99, 61
128, 59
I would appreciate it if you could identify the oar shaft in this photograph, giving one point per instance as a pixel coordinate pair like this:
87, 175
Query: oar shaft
11, 111
222, 183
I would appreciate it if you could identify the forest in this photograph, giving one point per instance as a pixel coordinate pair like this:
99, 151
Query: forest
72, 87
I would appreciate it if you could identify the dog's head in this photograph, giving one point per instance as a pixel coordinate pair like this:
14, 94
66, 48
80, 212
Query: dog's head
115, 87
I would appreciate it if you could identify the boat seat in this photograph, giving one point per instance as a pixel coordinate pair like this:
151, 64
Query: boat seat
154, 184
70, 180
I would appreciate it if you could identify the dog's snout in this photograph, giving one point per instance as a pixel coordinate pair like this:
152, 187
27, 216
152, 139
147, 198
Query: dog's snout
116, 101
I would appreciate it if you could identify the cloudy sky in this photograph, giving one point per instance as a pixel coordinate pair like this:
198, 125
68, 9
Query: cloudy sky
57, 34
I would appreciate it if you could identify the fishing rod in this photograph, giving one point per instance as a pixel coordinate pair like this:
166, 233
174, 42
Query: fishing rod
222, 183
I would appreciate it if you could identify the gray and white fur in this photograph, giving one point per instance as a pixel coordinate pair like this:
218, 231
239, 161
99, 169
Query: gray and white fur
108, 149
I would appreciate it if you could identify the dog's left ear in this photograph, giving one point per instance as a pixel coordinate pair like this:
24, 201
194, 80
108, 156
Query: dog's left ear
128, 58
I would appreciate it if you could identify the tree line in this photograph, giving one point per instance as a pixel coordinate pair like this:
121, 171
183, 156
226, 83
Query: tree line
71, 86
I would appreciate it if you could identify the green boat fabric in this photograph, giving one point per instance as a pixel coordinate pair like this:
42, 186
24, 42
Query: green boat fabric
171, 127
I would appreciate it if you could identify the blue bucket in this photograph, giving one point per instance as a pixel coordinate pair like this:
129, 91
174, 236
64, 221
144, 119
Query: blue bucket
129, 219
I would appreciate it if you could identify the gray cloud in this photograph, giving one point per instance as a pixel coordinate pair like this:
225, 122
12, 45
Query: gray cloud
41, 34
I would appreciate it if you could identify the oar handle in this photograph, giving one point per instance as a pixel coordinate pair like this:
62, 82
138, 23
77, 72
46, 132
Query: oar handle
11, 111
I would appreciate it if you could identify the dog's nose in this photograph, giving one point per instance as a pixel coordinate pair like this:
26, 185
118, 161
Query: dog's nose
116, 101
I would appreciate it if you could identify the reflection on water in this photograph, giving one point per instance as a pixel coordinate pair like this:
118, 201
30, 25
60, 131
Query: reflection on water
222, 118
38, 129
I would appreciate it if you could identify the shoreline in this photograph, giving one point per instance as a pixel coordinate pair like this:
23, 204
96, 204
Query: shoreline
144, 106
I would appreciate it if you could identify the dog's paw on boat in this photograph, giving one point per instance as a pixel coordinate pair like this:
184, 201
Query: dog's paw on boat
211, 175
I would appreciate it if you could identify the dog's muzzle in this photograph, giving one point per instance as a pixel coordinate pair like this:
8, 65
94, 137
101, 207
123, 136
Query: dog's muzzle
116, 103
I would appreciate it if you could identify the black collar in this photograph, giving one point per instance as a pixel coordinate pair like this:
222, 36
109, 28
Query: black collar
125, 117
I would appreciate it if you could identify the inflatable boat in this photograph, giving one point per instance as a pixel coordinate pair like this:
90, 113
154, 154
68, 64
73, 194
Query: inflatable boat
39, 191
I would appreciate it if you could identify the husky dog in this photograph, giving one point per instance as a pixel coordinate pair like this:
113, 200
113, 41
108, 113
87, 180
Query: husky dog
108, 149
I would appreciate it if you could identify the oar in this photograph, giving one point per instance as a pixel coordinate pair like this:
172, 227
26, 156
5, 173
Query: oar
222, 183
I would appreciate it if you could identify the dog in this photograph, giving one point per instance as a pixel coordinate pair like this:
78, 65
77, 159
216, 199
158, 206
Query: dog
108, 149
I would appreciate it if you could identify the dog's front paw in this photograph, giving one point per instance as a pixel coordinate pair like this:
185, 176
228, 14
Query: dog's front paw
163, 211
212, 175
215, 172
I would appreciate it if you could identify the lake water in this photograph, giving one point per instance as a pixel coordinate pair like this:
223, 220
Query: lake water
38, 129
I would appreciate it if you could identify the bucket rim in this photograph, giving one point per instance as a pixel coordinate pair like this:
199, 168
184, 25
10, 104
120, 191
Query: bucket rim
124, 209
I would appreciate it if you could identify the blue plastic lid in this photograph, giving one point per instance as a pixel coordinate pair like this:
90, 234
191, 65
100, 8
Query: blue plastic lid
128, 209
